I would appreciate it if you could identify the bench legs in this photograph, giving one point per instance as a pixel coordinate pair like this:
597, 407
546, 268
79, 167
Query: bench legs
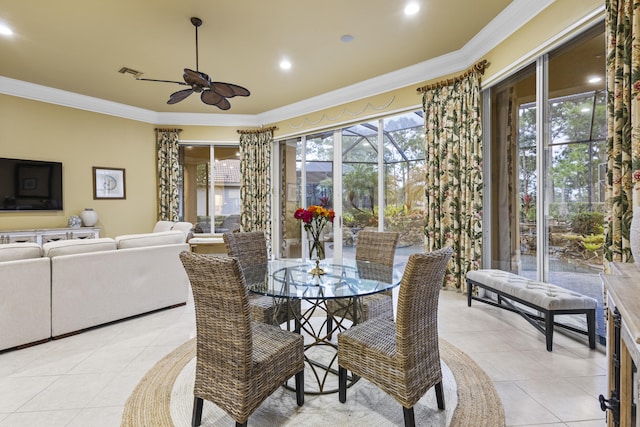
591, 328
548, 319
548, 329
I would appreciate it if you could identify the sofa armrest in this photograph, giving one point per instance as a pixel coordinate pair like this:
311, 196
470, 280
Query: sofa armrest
25, 301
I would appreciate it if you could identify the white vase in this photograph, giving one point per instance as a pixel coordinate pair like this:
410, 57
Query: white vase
634, 236
89, 217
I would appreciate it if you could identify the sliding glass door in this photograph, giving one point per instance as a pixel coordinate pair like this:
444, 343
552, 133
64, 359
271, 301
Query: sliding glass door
547, 160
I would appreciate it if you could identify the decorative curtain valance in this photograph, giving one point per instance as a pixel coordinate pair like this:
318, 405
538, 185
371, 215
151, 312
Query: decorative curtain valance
255, 180
169, 177
622, 23
476, 69
453, 137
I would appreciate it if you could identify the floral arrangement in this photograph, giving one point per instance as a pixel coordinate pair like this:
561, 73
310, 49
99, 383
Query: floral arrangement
314, 219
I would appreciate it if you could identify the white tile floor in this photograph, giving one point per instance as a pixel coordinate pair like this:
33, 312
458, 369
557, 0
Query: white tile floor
84, 380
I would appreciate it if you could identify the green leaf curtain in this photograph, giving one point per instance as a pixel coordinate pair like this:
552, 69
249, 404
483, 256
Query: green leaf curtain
453, 137
623, 119
255, 181
169, 174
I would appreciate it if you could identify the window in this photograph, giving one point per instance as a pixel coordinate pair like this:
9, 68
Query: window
211, 187
371, 174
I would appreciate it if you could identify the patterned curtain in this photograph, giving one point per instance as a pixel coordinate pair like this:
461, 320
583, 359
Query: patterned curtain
503, 162
453, 136
169, 177
255, 181
623, 102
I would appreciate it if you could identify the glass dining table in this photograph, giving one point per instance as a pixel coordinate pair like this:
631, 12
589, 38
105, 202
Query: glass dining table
288, 280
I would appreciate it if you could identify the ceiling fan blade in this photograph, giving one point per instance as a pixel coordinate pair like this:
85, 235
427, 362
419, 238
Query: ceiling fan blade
196, 78
179, 96
229, 90
223, 104
162, 81
210, 97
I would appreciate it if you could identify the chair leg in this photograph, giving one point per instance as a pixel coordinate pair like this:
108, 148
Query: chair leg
244, 424
342, 384
196, 418
439, 395
300, 388
329, 327
409, 418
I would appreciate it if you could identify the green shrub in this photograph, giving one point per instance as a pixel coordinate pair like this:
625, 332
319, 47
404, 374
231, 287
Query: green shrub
594, 239
587, 223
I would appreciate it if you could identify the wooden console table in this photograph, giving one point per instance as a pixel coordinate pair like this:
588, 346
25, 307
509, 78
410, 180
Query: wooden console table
623, 345
44, 235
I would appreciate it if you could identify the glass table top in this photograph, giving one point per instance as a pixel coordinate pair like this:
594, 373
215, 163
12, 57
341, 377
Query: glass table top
294, 279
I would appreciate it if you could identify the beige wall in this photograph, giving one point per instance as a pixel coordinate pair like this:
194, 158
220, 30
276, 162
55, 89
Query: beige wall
80, 139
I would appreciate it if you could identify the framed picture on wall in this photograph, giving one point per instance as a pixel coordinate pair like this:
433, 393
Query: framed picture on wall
108, 183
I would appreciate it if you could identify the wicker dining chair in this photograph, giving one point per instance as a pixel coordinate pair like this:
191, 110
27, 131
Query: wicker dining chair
378, 247
402, 357
239, 362
251, 249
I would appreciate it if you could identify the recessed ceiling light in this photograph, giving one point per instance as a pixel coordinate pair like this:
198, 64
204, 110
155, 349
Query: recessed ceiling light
411, 9
595, 79
5, 31
346, 38
285, 64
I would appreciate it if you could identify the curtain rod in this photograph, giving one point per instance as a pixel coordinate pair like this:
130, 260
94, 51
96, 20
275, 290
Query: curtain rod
167, 130
477, 68
254, 131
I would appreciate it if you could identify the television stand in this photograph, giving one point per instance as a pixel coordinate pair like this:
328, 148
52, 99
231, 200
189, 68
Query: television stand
44, 235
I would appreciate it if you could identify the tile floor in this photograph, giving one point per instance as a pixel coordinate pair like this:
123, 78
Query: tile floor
84, 380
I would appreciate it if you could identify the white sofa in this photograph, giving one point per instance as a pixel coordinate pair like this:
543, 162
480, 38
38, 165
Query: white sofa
97, 281
25, 295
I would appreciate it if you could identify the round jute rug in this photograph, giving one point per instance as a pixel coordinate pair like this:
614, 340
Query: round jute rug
164, 398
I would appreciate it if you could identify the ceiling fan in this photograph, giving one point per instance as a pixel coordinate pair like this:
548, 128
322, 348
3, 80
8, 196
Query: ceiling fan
212, 93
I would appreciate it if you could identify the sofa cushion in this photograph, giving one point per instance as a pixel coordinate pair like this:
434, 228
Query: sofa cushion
78, 246
16, 251
162, 226
183, 226
150, 239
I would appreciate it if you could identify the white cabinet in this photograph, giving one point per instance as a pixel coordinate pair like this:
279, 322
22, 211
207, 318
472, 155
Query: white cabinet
44, 235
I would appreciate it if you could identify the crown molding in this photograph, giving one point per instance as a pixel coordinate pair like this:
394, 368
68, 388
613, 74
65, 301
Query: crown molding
518, 13
508, 21
64, 98
208, 119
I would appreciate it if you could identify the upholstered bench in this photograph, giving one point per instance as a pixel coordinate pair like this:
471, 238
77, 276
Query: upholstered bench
546, 298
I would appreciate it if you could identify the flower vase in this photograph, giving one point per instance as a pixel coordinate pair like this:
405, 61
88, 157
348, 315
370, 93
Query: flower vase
316, 250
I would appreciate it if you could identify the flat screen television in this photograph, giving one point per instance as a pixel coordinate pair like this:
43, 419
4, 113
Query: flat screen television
30, 185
